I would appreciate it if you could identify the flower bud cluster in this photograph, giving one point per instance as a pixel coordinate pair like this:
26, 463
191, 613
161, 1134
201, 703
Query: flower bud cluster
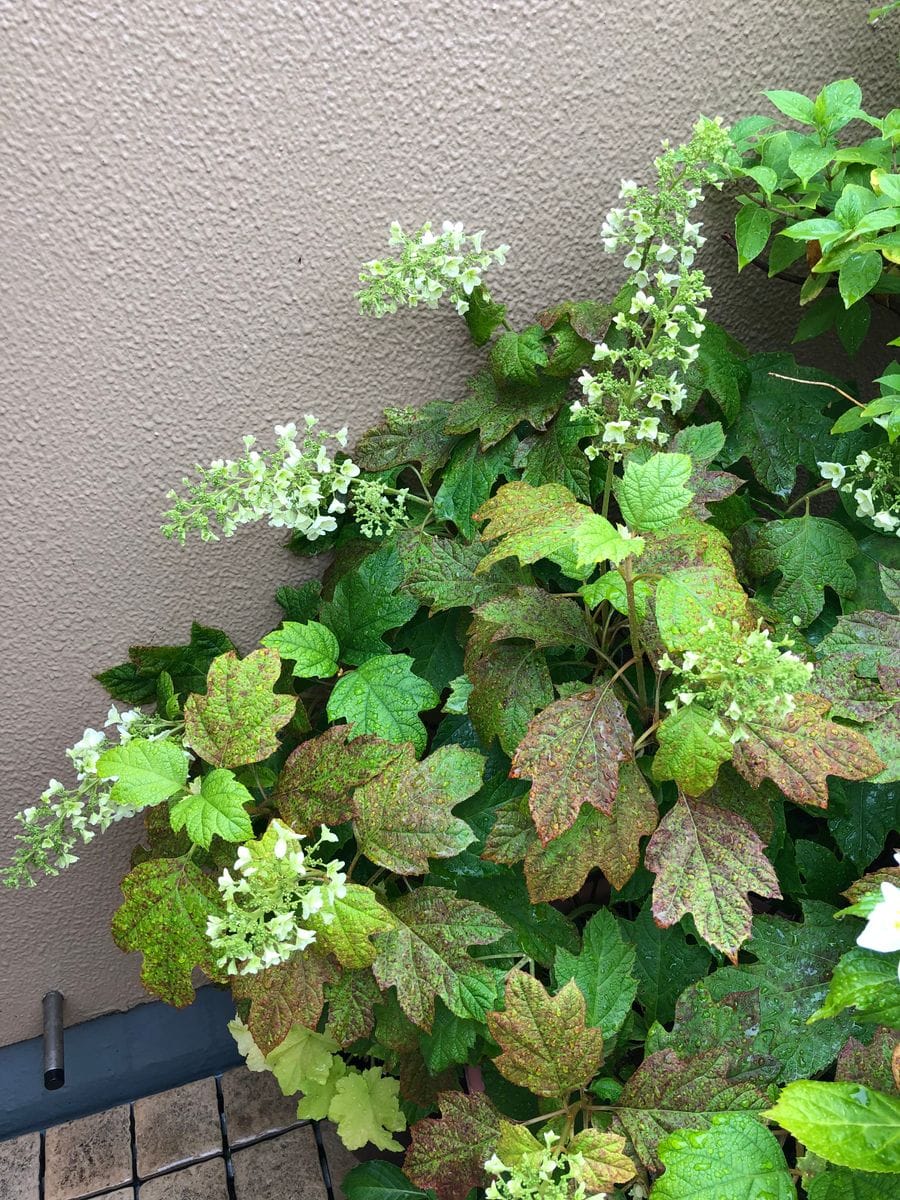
429, 267
873, 480
654, 337
275, 885
549, 1173
739, 678
300, 485
63, 817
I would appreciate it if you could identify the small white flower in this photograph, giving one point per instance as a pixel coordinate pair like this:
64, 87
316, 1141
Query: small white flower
882, 931
886, 520
865, 506
833, 472
648, 429
614, 432
863, 459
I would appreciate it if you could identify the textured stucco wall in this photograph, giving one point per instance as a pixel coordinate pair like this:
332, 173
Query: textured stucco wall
164, 164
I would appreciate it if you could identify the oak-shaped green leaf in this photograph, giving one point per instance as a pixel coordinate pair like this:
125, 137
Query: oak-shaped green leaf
510, 682
610, 842
546, 1045
483, 316
571, 753
496, 410
652, 494
718, 370
469, 479
440, 572
216, 809
135, 681
304, 1057
311, 647
735, 1156
425, 954
516, 357
299, 603
355, 918
367, 603
366, 1108
289, 994
164, 914
706, 860
448, 1153
843, 1184
554, 457
810, 554
237, 721
845, 1123
690, 749
319, 777
403, 817
530, 523
146, 772
602, 971
408, 435
384, 697
669, 1092
859, 664
666, 961
800, 751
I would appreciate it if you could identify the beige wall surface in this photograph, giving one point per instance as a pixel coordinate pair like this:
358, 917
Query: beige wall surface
164, 164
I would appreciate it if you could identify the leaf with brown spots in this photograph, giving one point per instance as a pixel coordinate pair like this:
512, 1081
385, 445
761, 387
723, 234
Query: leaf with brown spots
318, 779
536, 616
612, 843
872, 1065
605, 1160
799, 752
351, 1001
571, 753
417, 1084
289, 994
706, 860
238, 718
448, 1153
546, 1046
510, 682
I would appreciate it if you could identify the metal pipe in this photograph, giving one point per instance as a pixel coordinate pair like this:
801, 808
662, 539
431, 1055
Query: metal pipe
54, 1057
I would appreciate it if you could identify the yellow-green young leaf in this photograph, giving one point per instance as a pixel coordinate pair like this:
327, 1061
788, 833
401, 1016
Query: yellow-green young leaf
800, 751
317, 1096
425, 954
735, 1157
867, 981
845, 1123
706, 860
215, 809
690, 752
236, 722
810, 554
448, 1153
546, 1046
669, 1091
366, 1108
384, 697
571, 753
302, 1059
164, 914
688, 599
530, 523
605, 1160
403, 817
752, 227
318, 779
355, 919
611, 587
611, 842
289, 994
146, 772
652, 494
312, 647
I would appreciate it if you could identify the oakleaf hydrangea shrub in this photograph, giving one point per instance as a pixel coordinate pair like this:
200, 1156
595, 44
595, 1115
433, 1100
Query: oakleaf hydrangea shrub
521, 840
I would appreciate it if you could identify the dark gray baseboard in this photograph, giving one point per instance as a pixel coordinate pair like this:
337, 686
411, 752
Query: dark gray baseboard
117, 1058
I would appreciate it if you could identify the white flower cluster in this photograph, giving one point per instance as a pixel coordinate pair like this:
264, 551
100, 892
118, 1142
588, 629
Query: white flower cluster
547, 1174
300, 485
276, 884
738, 678
655, 336
882, 931
429, 266
873, 480
52, 828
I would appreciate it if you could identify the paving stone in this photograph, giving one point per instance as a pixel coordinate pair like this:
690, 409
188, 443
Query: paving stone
285, 1167
122, 1194
87, 1155
340, 1159
255, 1105
176, 1127
202, 1181
20, 1164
